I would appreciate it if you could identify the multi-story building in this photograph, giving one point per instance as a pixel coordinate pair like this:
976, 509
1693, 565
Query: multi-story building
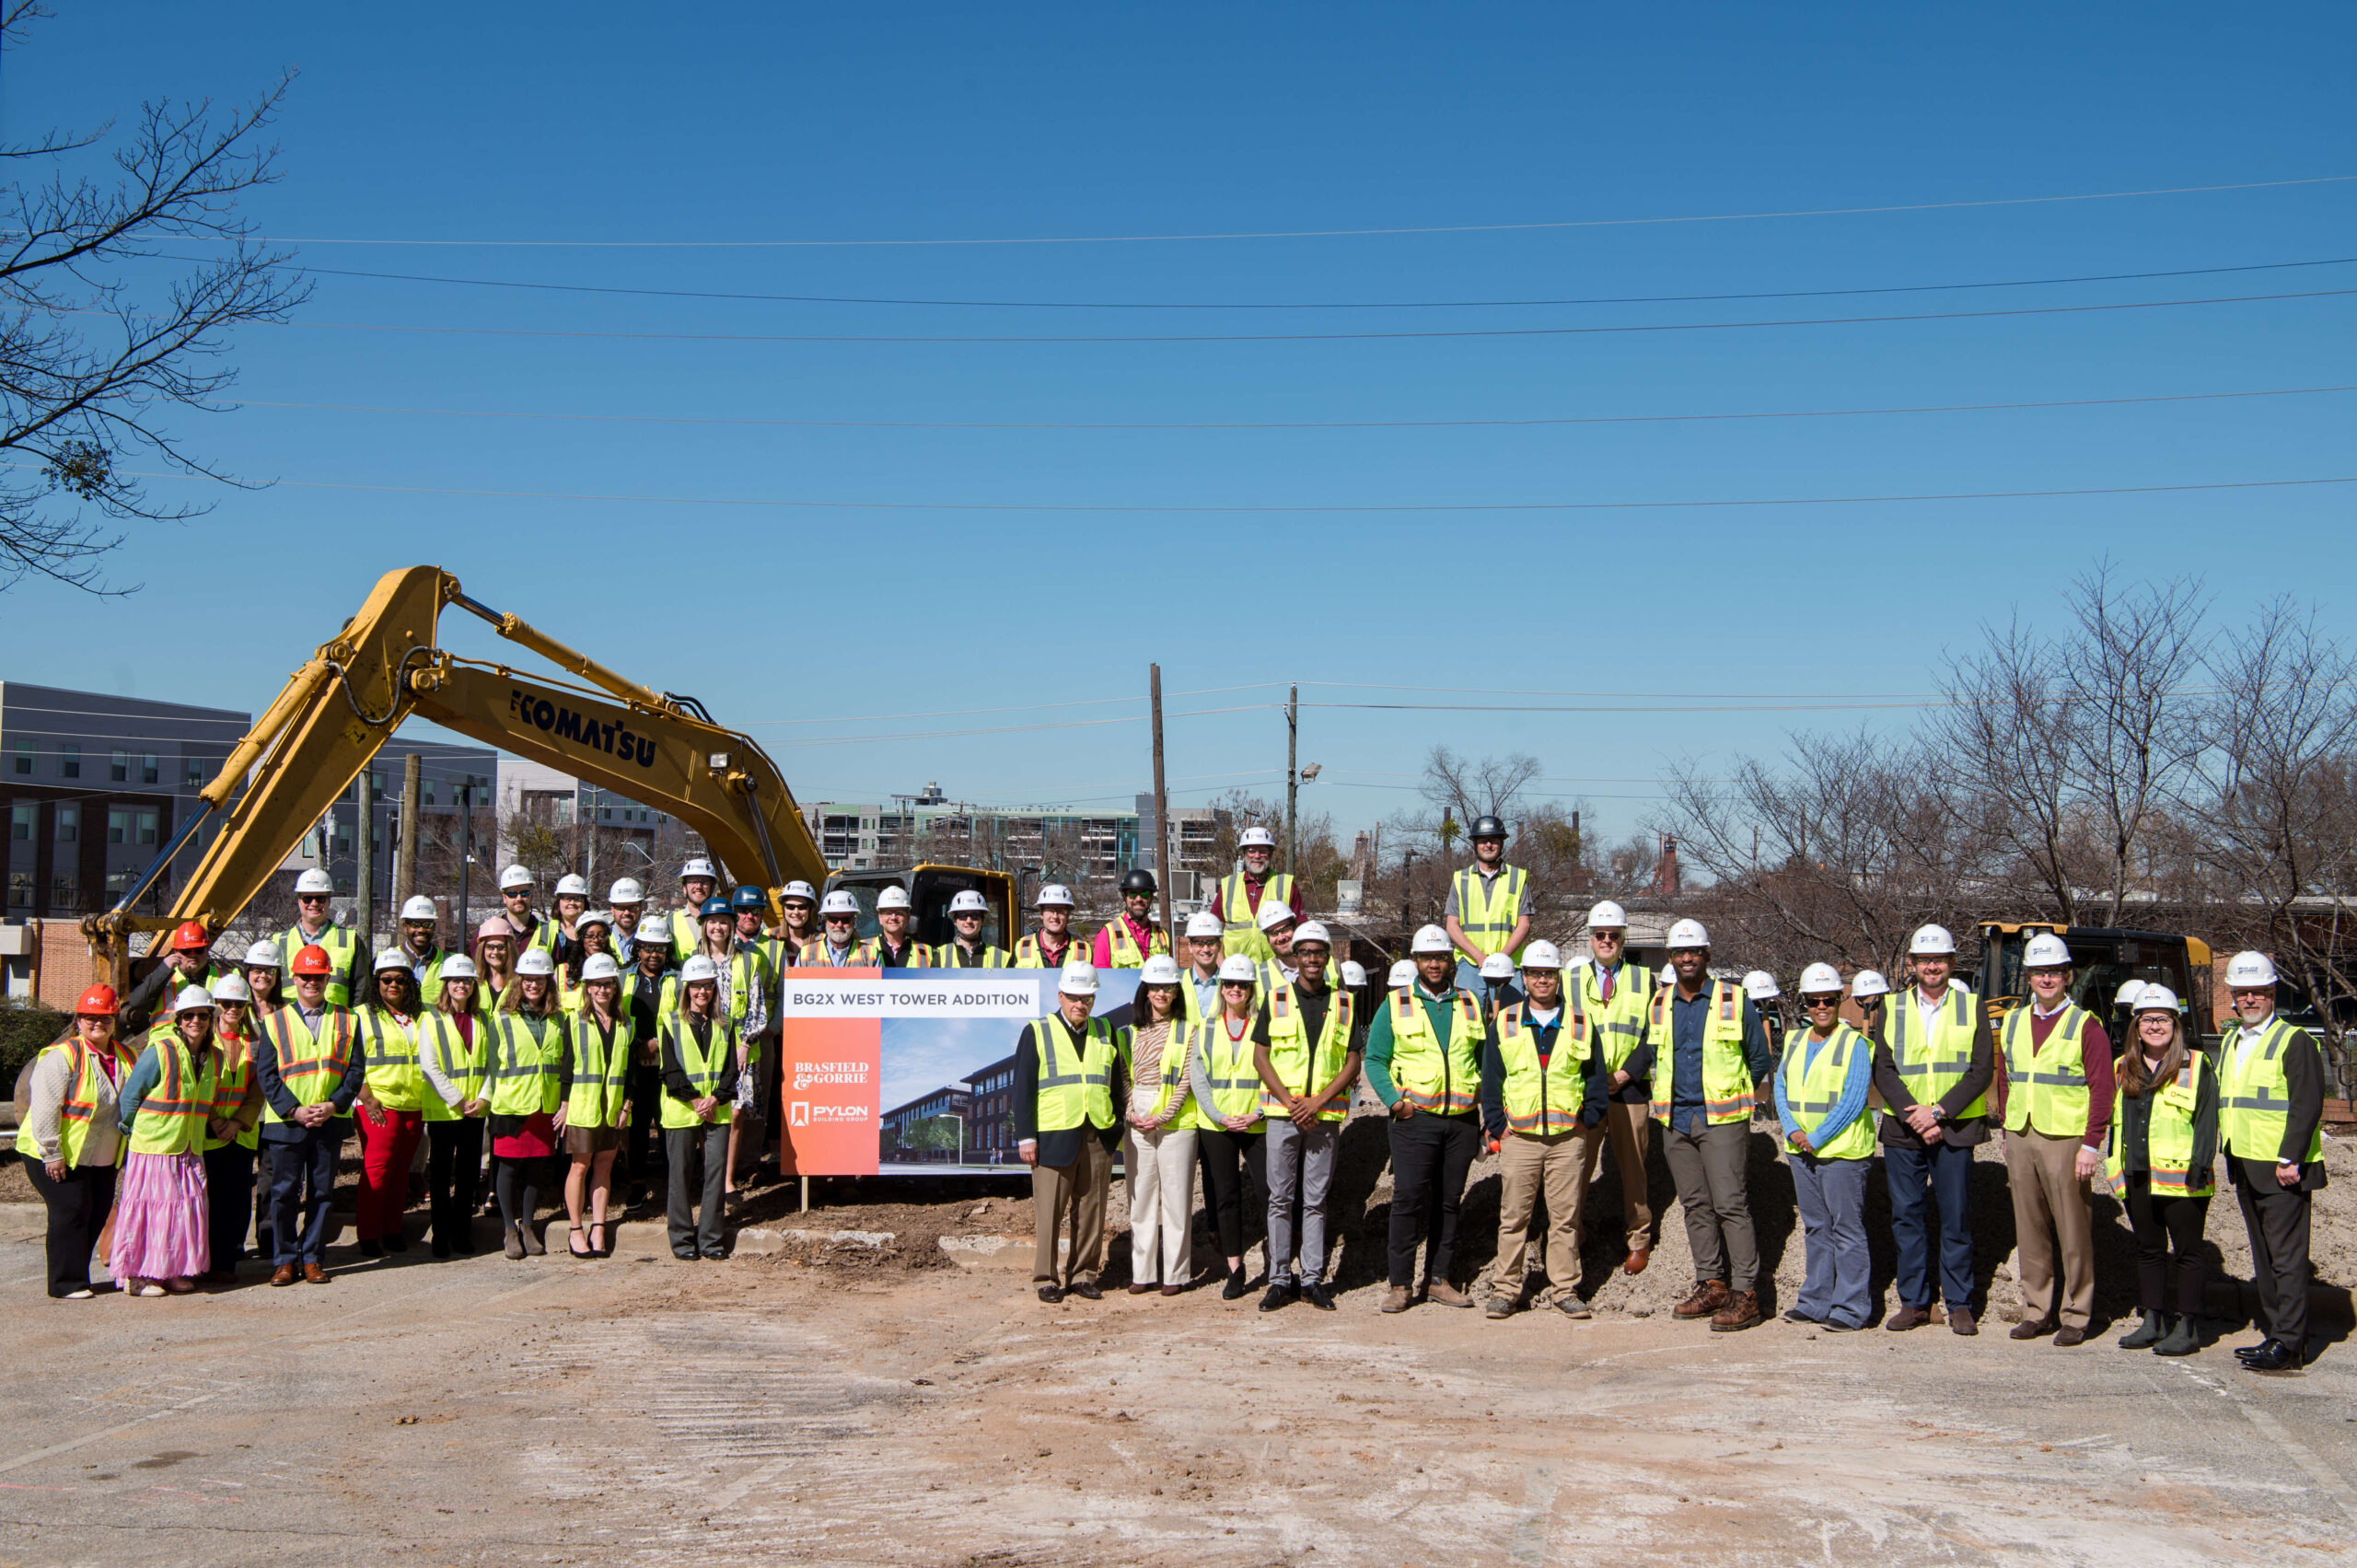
933, 1129
1067, 841
989, 1121
593, 831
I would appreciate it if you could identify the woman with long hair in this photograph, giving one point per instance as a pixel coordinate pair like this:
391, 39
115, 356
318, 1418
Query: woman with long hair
596, 1105
495, 962
530, 1059
1228, 1119
230, 1139
2159, 1157
1161, 1154
454, 1044
162, 1229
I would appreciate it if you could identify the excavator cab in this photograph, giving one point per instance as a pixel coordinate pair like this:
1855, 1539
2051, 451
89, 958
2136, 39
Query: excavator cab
930, 889
2103, 959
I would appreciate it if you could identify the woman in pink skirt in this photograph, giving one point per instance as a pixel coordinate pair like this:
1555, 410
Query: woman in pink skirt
160, 1221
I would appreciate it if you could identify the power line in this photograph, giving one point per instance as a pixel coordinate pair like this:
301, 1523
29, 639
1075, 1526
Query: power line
1293, 424
1726, 708
1030, 708
1015, 728
1675, 696
1315, 233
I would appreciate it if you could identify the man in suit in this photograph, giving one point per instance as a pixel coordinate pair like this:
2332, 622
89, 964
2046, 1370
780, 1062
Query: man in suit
1071, 1100
2271, 1094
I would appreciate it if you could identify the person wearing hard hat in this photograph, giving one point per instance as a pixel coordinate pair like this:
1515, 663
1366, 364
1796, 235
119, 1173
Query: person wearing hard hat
1070, 1098
892, 948
313, 929
1703, 1095
1127, 940
1867, 988
1230, 1125
746, 985
265, 967
798, 921
571, 902
2162, 1161
752, 968
1484, 912
752, 907
2122, 1021
596, 1105
593, 937
699, 1059
1767, 998
307, 1058
1542, 1099
626, 903
420, 926
1821, 1082
699, 880
1499, 973
161, 1234
1238, 897
516, 890
968, 912
1934, 1059
495, 948
1307, 1051
390, 1120
1423, 1059
1617, 996
2271, 1084
186, 961
644, 993
71, 1137
454, 1046
1400, 976
838, 946
229, 1137
2055, 1095
1278, 923
1052, 946
1206, 946
1159, 1155
531, 1060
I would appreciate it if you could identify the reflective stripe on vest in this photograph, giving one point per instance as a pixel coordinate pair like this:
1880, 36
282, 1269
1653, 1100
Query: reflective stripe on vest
341, 947
1074, 1087
1487, 908
465, 1063
1171, 1092
1811, 1091
601, 1071
1124, 945
950, 956
2046, 1085
75, 1111
1620, 1024
1543, 1098
1030, 956
311, 1067
391, 1051
1228, 1068
1931, 1067
2255, 1100
526, 1061
1242, 914
231, 1080
2168, 1136
1302, 1067
1432, 1075
1727, 1092
703, 1069
170, 1119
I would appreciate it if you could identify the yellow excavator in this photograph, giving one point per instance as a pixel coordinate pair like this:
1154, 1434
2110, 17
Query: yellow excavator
659, 749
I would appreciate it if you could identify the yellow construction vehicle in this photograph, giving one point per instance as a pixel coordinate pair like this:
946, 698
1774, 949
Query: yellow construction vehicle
2103, 960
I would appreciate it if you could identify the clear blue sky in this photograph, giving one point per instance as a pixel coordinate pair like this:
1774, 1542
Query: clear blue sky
767, 123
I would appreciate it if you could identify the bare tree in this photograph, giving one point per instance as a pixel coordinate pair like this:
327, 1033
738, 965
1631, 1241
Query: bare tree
97, 340
1458, 790
2005, 740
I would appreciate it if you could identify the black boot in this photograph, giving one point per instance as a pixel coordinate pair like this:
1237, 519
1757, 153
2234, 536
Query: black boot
2146, 1333
2182, 1339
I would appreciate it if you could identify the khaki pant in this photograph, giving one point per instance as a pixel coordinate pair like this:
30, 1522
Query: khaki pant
1529, 1165
1630, 1126
1081, 1188
2050, 1206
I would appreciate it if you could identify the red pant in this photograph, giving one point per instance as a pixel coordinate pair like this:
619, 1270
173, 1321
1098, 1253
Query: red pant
387, 1143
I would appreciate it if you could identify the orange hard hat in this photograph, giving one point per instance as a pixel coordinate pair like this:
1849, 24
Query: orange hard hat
191, 938
313, 959
97, 1003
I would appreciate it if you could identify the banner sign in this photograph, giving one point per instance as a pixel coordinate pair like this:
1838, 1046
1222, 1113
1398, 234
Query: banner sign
911, 1072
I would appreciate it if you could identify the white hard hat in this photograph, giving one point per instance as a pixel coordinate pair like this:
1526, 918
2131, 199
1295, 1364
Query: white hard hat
2248, 970
626, 890
695, 971
1312, 931
968, 902
1669, 974
2152, 998
1819, 979
1607, 915
1541, 955
2129, 991
1272, 915
1159, 969
801, 889
1403, 974
572, 885
1203, 923
699, 866
840, 901
420, 907
594, 917
599, 966
514, 876
1761, 986
1236, 966
458, 966
893, 897
314, 881
2046, 951
1930, 941
1256, 838
1078, 979
1429, 939
536, 960
232, 988
391, 958
193, 999
1497, 966
1868, 983
1354, 974
1687, 934
264, 956
1053, 895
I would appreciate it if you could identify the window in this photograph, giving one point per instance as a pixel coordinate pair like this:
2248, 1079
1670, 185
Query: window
69, 825
429, 792
118, 826
148, 771
195, 775
69, 761
119, 767
21, 822
20, 890
24, 757
64, 892
147, 826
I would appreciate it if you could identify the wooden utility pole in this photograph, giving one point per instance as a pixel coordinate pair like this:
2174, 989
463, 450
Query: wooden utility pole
1161, 806
1293, 777
365, 868
466, 857
405, 860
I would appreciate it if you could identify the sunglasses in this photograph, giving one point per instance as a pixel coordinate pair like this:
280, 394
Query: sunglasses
310, 897
1236, 986
841, 920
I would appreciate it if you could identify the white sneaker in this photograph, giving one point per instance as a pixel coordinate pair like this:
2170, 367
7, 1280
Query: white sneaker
83, 1295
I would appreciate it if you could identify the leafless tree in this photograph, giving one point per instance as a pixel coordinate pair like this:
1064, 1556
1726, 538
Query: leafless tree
2004, 741
104, 328
1457, 790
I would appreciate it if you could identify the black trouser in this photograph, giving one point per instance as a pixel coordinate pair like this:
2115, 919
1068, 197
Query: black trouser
516, 1179
696, 1228
78, 1207
1430, 1156
2163, 1223
2277, 1218
1236, 1185
645, 1150
453, 1172
229, 1203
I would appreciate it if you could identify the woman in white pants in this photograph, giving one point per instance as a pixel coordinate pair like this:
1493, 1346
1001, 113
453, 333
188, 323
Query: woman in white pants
1160, 1155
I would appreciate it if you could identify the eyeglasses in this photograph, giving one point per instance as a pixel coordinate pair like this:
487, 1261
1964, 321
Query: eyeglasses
310, 897
1236, 986
840, 919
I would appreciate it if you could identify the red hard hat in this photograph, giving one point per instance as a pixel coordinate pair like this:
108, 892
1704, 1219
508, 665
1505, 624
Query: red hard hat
313, 961
191, 938
97, 1003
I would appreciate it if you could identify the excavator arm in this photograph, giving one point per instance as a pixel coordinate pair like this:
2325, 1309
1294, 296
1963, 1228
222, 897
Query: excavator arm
340, 707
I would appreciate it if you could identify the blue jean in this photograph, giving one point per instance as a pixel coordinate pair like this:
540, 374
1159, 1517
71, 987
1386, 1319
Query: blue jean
1938, 1176
303, 1241
1832, 1199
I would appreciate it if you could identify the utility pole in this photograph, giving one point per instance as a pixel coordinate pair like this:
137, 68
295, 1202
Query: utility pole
405, 860
1293, 777
466, 852
364, 870
1161, 804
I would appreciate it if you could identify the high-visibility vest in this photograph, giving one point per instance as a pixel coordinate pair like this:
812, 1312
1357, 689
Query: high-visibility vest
687, 935
1242, 916
170, 1119
429, 984
1305, 1065
310, 1065
526, 1059
1727, 1092
601, 1071
1123, 946
1930, 1064
1813, 1089
1543, 1098
464, 1062
2046, 1085
1620, 1024
703, 1067
342, 948
1076, 1087
1168, 1093
1441, 1078
544, 935
2256, 1096
950, 956
230, 1081
1191, 1006
75, 1111
771, 950
1271, 975
2168, 1133
1028, 955
1488, 908
390, 1046
746, 971
817, 956
917, 957
1228, 1066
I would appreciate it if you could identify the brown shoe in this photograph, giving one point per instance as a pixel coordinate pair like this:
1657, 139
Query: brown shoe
2066, 1336
1961, 1320
1446, 1294
2030, 1328
1741, 1311
1137, 1289
1907, 1318
1396, 1301
1708, 1297
1174, 1290
314, 1275
284, 1274
1637, 1260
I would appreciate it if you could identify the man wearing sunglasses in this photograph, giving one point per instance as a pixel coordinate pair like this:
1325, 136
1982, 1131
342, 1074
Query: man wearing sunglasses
313, 929
837, 946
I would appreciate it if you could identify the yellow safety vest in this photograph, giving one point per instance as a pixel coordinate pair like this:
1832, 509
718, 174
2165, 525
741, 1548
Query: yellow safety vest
746, 971
1543, 1098
2168, 1134
1306, 1066
1620, 1024
390, 1047
814, 956
703, 1068
1728, 1091
2255, 1096
340, 946
687, 934
2047, 1085
545, 931
1243, 916
527, 1059
464, 1062
1236, 1083
170, 1119
1488, 908
1074, 1088
232, 1079
1124, 947
1440, 1078
1171, 1094
74, 1113
1028, 955
1932, 1064
429, 989
1811, 1092
950, 956
600, 1072
310, 1065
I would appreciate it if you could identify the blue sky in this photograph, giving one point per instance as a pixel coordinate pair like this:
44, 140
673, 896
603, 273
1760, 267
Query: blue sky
772, 123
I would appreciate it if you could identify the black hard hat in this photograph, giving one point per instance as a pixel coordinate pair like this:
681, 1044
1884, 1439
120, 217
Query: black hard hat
1487, 826
750, 898
1137, 882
